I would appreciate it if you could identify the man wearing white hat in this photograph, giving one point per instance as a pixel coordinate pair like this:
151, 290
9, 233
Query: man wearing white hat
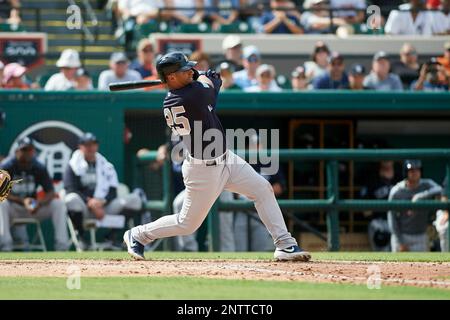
232, 49
68, 64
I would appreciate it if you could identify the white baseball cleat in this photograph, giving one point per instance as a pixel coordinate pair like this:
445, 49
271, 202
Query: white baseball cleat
135, 249
293, 253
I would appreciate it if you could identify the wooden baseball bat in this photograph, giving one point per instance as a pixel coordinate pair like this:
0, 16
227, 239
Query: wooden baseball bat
128, 85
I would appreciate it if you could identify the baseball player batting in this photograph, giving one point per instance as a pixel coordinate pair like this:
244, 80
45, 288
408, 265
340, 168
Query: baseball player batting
190, 106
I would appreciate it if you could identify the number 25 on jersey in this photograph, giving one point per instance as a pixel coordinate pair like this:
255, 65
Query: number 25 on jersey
179, 124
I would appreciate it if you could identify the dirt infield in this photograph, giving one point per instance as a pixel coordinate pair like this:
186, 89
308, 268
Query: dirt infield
419, 274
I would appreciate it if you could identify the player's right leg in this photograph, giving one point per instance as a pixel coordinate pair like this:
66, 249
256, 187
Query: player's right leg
246, 181
203, 186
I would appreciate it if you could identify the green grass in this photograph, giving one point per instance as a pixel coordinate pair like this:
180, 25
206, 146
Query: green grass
348, 256
199, 288
142, 287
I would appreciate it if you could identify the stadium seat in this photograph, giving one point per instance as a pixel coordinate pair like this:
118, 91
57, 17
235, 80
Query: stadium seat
236, 27
6, 27
194, 28
283, 81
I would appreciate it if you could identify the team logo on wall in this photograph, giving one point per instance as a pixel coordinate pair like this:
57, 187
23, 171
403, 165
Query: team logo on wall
54, 142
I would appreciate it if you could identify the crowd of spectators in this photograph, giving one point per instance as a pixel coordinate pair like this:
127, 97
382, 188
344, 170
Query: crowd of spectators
287, 16
243, 68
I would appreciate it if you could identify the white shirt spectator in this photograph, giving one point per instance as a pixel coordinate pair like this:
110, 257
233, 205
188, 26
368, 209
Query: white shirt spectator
441, 22
343, 4
108, 76
187, 5
273, 88
138, 7
313, 70
58, 82
401, 22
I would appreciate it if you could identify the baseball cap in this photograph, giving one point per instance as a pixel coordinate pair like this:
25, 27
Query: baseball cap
87, 137
69, 59
447, 45
144, 43
225, 66
380, 55
251, 51
265, 68
413, 164
335, 56
117, 57
299, 71
321, 46
13, 70
25, 142
231, 41
358, 69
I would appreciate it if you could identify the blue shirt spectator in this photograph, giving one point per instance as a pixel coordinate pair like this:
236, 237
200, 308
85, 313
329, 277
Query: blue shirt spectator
326, 82
335, 78
282, 19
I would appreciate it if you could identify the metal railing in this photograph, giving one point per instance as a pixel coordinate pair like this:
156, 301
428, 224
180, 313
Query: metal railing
333, 204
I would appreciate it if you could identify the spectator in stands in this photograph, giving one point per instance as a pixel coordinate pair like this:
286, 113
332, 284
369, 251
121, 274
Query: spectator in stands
283, 18
410, 19
336, 77
222, 12
118, 71
320, 62
299, 81
232, 47
203, 60
23, 201
142, 11
144, 63
354, 15
408, 67
445, 59
226, 73
251, 60
90, 183
83, 80
380, 78
68, 63
441, 225
187, 12
378, 187
265, 76
13, 77
432, 78
356, 77
441, 19
408, 227
317, 19
2, 67
9, 12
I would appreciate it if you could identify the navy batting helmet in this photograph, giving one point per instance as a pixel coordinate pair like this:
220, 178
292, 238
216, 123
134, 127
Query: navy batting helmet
173, 62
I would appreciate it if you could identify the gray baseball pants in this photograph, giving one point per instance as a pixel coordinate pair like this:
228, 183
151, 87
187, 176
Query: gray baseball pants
204, 184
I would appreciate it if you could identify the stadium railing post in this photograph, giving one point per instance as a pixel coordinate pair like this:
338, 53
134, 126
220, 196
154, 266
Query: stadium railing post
333, 214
